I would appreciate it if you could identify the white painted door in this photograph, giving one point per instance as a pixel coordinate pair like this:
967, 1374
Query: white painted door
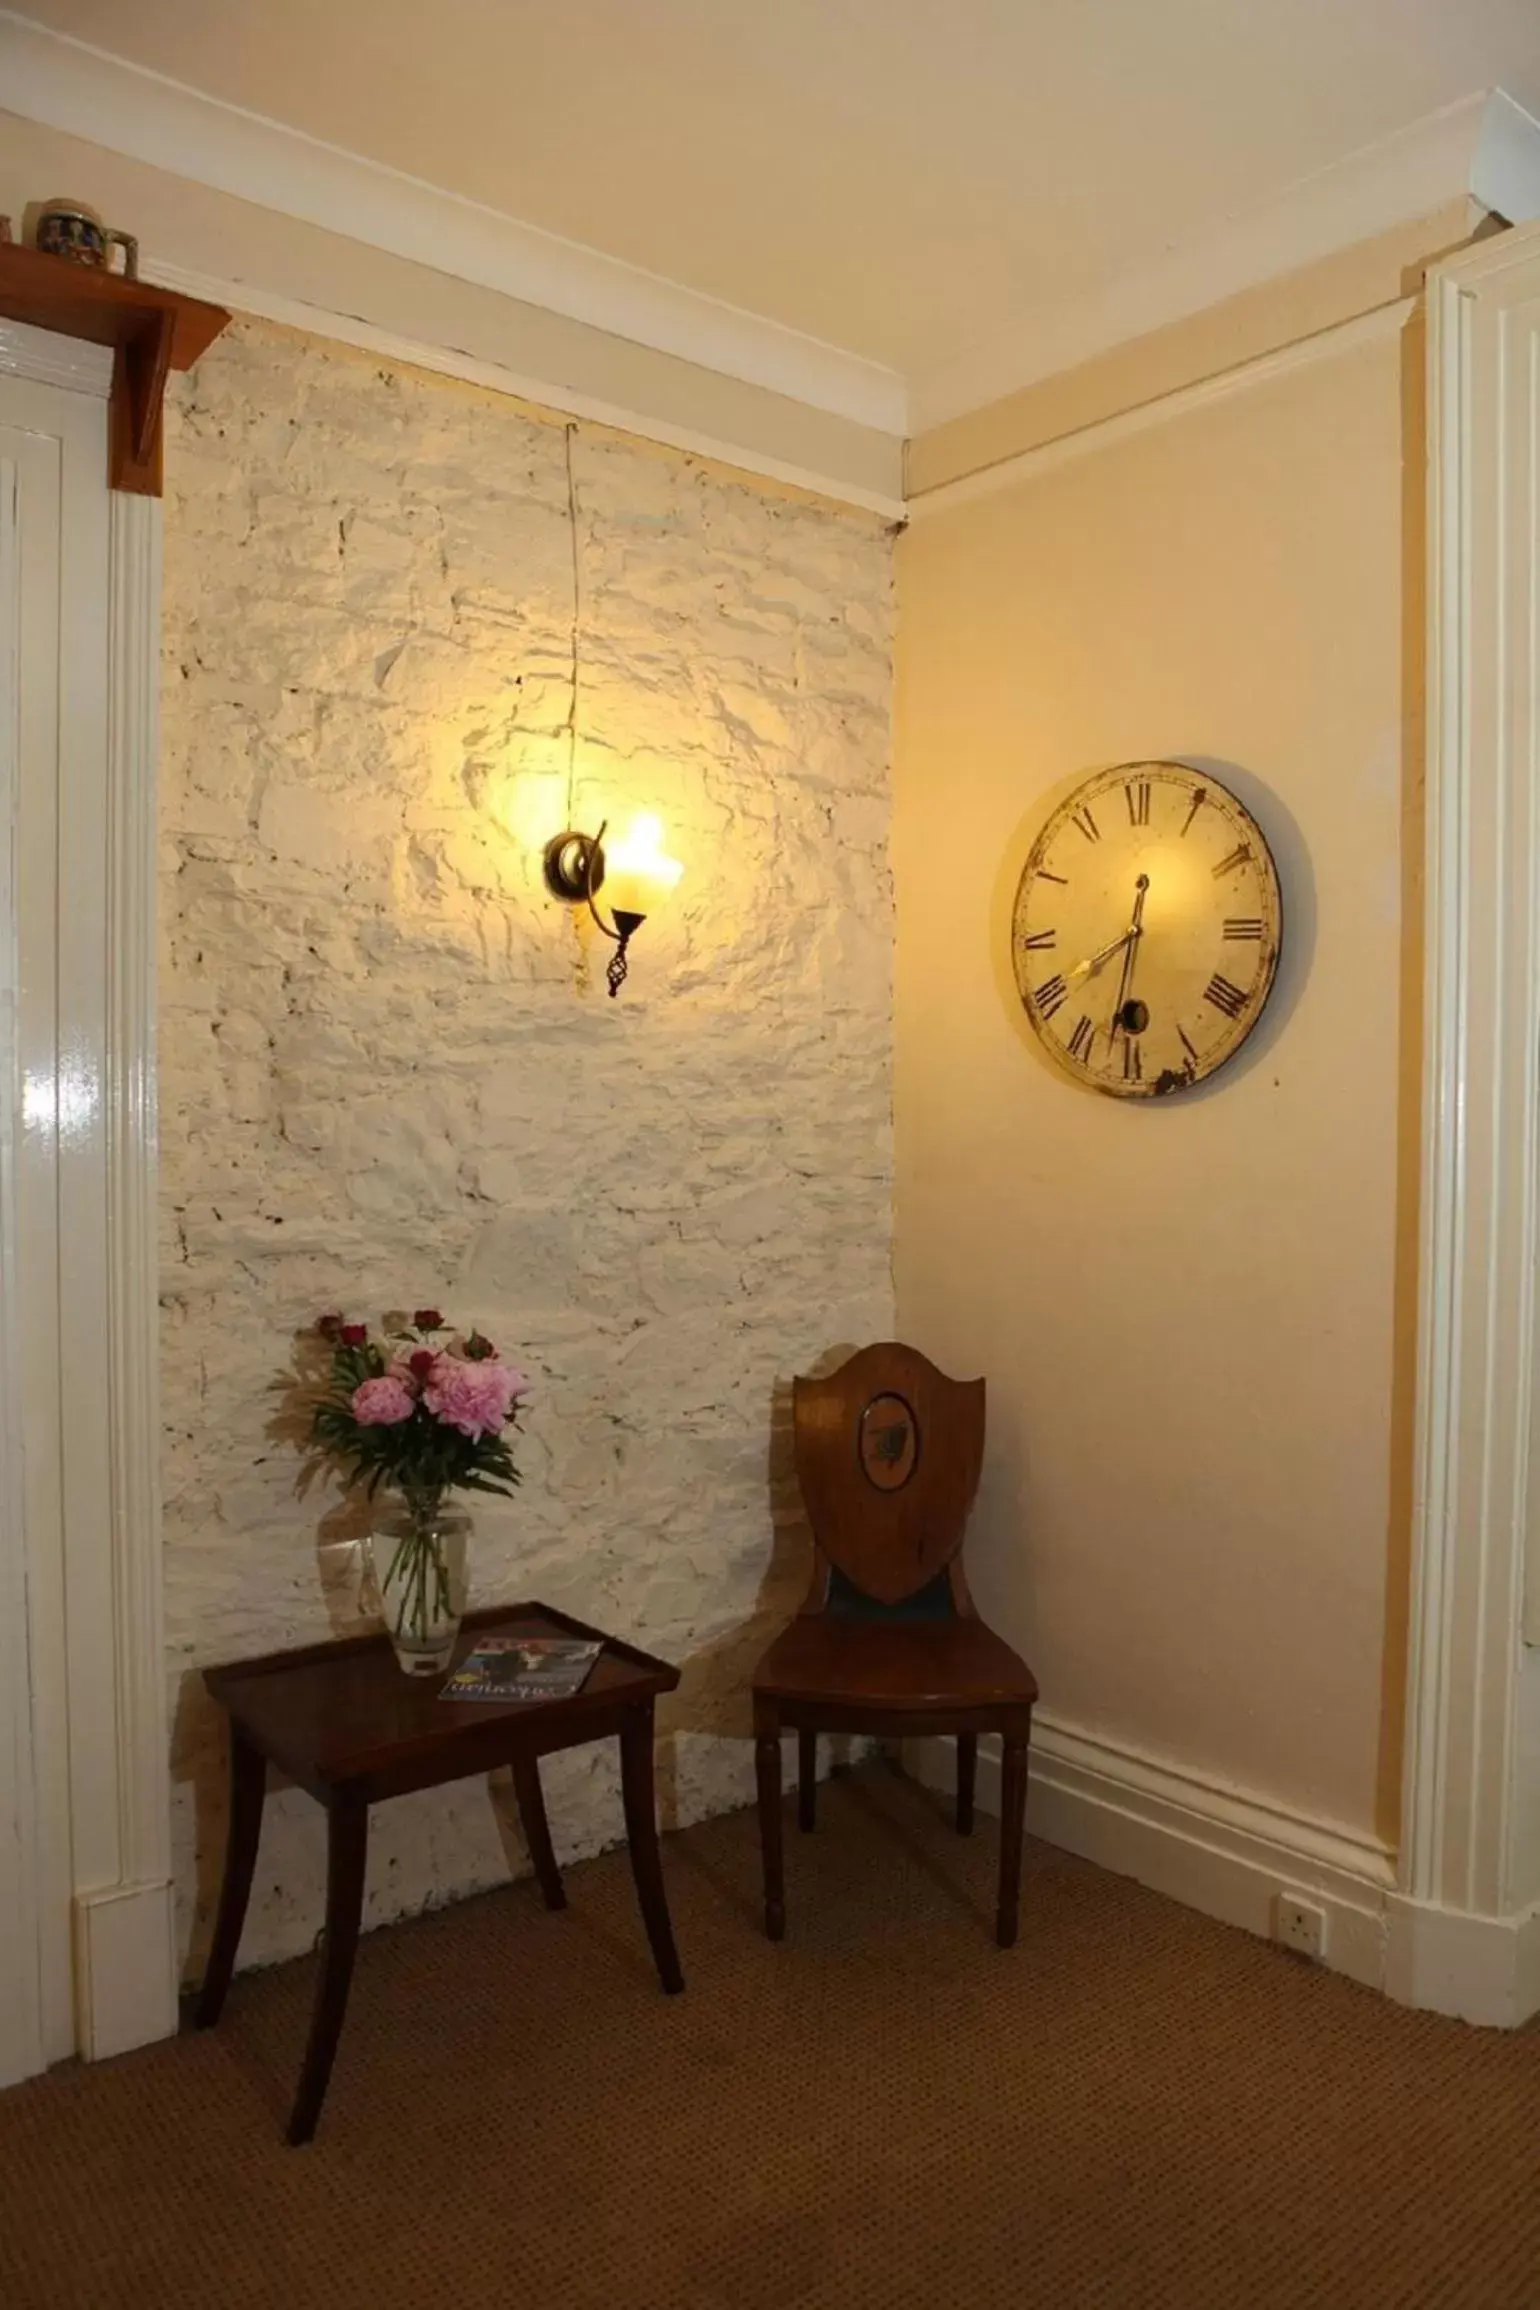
53, 686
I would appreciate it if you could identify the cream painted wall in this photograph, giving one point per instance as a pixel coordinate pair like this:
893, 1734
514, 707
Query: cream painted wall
1191, 1515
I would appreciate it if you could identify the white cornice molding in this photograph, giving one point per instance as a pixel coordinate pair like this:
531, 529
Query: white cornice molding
1505, 168
1485, 148
82, 91
1102, 432
448, 361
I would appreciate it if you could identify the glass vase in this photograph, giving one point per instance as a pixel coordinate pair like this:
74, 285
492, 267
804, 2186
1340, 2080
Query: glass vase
418, 1553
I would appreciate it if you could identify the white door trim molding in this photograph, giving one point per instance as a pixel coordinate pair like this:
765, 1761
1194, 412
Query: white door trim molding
23, 1988
1470, 1690
1484, 1970
115, 1683
126, 1944
47, 359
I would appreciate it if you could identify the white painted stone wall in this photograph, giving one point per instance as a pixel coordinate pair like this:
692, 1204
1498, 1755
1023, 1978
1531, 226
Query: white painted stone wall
390, 1073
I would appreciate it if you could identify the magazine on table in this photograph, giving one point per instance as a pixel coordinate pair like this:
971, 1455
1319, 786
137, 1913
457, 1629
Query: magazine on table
523, 1668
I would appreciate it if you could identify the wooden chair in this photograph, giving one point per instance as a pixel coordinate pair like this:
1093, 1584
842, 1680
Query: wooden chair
888, 1452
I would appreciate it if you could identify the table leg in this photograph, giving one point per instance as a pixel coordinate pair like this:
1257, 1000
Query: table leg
767, 1773
807, 1779
636, 1785
248, 1788
537, 1830
967, 1775
347, 1838
1013, 1806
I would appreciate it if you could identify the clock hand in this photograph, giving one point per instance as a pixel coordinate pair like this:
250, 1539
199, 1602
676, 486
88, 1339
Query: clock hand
1083, 970
1135, 933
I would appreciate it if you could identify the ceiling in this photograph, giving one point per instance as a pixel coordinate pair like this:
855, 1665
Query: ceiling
914, 181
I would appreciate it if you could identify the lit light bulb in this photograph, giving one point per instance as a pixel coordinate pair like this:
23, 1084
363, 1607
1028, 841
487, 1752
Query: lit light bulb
639, 875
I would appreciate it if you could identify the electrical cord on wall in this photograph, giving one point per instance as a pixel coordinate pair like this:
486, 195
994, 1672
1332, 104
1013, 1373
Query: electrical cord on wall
577, 620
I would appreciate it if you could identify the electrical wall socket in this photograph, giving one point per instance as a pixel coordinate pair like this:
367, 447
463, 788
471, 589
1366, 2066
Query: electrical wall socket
1299, 1924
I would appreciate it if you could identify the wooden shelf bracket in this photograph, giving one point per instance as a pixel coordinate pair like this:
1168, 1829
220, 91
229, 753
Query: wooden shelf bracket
151, 331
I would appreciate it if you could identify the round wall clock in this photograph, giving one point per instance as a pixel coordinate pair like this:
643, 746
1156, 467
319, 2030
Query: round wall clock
1146, 929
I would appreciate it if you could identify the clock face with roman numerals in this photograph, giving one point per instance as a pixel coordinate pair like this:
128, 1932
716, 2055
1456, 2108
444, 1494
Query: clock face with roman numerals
1146, 928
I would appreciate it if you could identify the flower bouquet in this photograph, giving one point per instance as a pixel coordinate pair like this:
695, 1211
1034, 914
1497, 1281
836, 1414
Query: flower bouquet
425, 1410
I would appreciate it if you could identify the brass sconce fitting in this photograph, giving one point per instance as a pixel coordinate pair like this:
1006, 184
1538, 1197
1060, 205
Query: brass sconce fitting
640, 874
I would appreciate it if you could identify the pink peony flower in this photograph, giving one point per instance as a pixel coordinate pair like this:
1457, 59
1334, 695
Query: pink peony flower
382, 1403
476, 1398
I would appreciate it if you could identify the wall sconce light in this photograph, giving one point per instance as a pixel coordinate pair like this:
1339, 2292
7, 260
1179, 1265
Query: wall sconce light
636, 872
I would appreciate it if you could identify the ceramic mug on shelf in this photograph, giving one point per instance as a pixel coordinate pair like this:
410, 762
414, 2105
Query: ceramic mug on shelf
71, 230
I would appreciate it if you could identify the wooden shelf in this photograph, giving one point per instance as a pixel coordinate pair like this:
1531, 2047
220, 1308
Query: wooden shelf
152, 331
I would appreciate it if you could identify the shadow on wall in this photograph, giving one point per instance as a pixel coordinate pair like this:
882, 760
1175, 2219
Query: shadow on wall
714, 1695
1296, 953
199, 1748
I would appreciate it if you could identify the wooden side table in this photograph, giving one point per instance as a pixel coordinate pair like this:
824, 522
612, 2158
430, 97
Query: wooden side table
344, 1723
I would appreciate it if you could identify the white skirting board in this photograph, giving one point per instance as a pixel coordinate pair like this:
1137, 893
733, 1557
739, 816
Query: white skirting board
1232, 1856
125, 1971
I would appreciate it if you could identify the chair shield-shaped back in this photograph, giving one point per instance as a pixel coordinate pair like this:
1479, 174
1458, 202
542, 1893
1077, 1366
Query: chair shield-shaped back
888, 1452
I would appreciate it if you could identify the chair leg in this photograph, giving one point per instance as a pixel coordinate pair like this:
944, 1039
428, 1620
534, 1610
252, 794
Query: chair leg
1013, 1809
767, 1774
967, 1774
807, 1779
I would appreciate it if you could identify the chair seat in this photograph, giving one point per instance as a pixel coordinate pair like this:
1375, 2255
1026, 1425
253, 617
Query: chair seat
853, 1663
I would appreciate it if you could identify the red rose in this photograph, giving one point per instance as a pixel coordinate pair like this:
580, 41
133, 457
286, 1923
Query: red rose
354, 1334
478, 1348
428, 1319
329, 1325
421, 1362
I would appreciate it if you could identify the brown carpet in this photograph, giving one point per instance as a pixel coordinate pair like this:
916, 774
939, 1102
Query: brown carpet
1135, 2107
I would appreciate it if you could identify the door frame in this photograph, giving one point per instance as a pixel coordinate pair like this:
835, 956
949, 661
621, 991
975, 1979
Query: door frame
1463, 1935
109, 1534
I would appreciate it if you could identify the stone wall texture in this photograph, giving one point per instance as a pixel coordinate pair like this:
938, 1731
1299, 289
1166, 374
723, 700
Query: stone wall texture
390, 1073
